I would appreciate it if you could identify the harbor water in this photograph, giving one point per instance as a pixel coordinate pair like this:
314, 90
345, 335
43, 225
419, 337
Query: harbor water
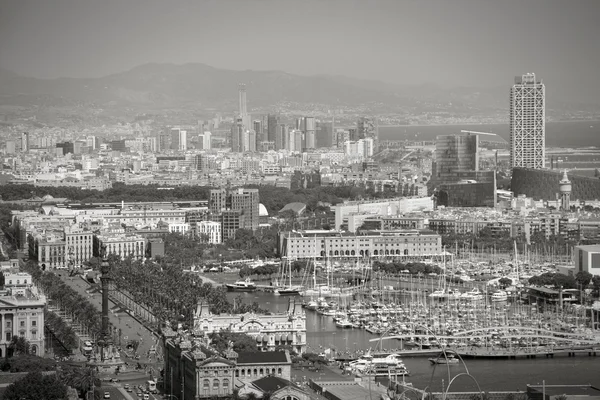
492, 375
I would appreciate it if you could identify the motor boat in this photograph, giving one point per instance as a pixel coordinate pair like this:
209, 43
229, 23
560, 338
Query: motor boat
500, 295
438, 294
441, 359
241, 286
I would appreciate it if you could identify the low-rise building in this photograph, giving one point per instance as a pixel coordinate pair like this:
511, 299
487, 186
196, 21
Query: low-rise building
270, 331
22, 314
194, 371
335, 244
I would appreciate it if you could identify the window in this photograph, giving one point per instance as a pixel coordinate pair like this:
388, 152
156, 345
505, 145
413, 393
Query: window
216, 384
33, 323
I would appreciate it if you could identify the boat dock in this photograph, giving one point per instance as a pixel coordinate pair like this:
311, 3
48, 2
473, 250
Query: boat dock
533, 352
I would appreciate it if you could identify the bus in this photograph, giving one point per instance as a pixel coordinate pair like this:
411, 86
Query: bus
151, 386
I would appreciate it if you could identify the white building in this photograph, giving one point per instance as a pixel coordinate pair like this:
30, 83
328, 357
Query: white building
22, 314
321, 244
181, 228
587, 258
123, 245
528, 122
211, 229
385, 207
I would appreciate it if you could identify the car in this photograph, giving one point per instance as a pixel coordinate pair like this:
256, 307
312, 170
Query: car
127, 387
106, 395
146, 396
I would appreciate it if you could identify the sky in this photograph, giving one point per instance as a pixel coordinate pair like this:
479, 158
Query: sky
450, 42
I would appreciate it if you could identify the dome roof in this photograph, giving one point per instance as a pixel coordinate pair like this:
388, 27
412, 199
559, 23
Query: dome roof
262, 210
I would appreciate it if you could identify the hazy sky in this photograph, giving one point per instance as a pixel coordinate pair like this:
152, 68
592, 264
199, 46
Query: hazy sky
453, 42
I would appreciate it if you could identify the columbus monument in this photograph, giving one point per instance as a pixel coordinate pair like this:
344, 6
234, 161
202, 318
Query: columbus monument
106, 358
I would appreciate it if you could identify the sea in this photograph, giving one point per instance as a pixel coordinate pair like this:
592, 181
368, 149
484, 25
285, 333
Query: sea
492, 375
558, 134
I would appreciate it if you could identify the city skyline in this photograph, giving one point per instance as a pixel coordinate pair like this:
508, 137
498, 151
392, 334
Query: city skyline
478, 43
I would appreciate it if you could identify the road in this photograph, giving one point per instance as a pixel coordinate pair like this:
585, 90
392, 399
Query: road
117, 392
130, 328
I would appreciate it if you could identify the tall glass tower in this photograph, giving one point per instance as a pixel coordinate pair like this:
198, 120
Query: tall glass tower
528, 123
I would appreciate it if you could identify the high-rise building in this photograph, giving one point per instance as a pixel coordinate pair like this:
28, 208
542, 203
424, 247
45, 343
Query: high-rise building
25, 142
282, 137
272, 126
367, 127
178, 139
455, 153
257, 125
456, 174
324, 134
309, 128
528, 122
242, 99
235, 209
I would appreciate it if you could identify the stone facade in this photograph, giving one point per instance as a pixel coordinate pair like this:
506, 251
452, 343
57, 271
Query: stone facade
270, 331
194, 371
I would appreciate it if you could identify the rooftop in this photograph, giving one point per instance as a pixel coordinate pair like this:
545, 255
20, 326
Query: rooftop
267, 357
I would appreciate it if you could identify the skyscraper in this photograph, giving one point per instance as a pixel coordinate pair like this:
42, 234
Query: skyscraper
25, 142
272, 125
528, 122
178, 139
309, 127
454, 154
367, 128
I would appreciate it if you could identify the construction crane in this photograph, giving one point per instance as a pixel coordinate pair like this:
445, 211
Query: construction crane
483, 133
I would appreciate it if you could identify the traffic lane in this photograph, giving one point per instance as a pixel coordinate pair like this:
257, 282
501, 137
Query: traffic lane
115, 393
129, 326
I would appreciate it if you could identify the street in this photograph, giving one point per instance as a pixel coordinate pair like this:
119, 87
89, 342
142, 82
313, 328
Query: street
130, 328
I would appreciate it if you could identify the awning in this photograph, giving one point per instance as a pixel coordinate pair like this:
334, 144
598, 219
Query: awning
266, 338
258, 338
290, 338
278, 337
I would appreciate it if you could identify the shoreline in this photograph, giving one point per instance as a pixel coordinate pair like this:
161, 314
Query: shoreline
481, 123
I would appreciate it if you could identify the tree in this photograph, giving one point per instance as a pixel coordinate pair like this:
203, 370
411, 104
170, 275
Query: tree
241, 342
583, 278
18, 346
504, 282
36, 386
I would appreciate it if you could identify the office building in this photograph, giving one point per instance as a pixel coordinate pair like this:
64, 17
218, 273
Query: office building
66, 147
272, 127
282, 138
367, 127
528, 123
309, 128
25, 142
178, 139
453, 154
235, 209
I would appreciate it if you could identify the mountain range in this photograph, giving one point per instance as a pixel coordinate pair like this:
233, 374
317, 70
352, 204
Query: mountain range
153, 86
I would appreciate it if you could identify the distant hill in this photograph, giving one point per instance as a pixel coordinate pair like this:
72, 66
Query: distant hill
200, 85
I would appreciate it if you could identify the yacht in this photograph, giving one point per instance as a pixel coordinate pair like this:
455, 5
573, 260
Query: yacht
288, 291
474, 294
379, 364
312, 305
241, 286
438, 294
344, 323
500, 295
448, 359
